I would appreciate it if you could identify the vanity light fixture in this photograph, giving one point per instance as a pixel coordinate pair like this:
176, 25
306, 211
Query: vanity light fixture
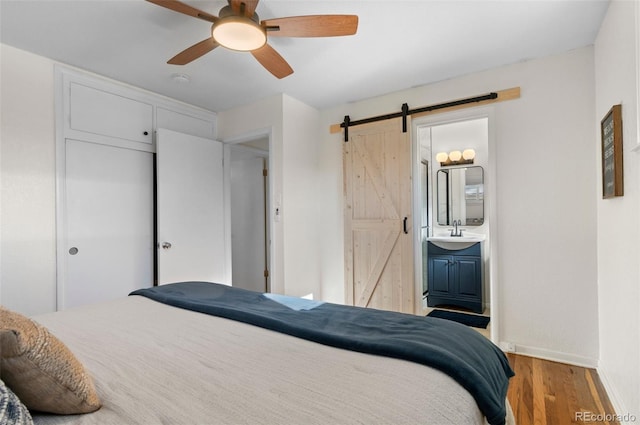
456, 157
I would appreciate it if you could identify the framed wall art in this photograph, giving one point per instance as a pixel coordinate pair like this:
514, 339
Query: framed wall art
612, 172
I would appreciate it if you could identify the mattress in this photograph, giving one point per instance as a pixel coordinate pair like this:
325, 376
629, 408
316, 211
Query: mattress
157, 364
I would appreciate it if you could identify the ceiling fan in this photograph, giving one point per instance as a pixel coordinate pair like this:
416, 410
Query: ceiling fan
239, 28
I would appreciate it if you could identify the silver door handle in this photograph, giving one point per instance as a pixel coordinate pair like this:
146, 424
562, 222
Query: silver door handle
166, 245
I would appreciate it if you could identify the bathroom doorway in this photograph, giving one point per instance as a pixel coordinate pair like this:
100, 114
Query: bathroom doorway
452, 200
250, 233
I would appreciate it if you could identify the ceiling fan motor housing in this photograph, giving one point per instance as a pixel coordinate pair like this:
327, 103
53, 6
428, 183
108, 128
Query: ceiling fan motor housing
228, 11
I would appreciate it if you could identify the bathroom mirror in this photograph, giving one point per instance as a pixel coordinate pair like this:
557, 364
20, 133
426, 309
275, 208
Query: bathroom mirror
460, 193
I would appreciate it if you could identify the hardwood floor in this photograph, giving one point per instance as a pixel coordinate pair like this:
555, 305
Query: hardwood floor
549, 393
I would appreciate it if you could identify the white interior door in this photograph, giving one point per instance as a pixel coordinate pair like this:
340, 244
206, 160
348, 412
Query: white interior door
248, 226
190, 209
109, 216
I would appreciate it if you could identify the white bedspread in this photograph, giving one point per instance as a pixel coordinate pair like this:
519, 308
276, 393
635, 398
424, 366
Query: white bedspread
156, 364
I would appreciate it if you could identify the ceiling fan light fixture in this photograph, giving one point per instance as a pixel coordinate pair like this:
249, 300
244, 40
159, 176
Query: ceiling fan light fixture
239, 33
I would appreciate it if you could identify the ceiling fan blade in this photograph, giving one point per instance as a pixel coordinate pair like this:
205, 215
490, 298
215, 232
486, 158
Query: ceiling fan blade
272, 61
194, 52
312, 26
180, 7
249, 7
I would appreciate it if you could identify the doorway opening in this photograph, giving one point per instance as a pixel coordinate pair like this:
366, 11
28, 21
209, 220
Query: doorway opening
453, 273
249, 197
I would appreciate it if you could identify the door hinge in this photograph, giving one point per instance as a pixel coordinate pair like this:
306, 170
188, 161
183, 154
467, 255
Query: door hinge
266, 273
265, 172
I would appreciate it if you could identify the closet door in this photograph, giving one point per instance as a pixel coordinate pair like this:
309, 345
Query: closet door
378, 236
190, 209
108, 198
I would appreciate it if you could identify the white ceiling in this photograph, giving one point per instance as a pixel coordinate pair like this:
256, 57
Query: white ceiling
399, 44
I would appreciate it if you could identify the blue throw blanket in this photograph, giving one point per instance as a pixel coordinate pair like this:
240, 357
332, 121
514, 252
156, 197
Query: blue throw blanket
462, 353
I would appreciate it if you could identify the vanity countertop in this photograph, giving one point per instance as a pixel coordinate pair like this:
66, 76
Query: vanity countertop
456, 242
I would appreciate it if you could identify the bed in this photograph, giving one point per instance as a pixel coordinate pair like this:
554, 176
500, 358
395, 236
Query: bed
156, 363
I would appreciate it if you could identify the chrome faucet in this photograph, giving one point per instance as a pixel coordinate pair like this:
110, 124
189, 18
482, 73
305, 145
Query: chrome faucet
455, 231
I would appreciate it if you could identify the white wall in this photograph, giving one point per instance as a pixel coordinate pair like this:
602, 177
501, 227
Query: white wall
546, 185
27, 215
618, 228
293, 127
300, 207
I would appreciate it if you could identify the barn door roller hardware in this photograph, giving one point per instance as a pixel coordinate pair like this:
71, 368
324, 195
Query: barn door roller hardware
492, 97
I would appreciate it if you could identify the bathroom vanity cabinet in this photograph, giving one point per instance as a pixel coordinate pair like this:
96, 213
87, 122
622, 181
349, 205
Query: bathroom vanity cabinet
455, 277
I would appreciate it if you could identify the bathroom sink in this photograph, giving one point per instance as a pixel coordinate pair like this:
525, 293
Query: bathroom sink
456, 242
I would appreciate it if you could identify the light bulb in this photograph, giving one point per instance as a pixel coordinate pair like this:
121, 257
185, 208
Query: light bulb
442, 157
455, 155
468, 154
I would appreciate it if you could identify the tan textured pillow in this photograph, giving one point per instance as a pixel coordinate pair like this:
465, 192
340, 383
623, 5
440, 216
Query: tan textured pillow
41, 370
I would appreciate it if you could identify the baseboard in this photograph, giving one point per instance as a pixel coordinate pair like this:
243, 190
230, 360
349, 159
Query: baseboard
625, 418
555, 356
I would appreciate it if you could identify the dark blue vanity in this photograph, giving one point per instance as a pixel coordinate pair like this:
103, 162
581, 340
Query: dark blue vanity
455, 277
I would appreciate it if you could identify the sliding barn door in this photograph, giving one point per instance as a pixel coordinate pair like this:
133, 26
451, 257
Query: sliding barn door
378, 239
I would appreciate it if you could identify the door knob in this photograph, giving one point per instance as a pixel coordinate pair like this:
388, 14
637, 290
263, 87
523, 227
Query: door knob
166, 245
73, 250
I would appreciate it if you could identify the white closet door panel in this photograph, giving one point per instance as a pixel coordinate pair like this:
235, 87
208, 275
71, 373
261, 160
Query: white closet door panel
248, 224
109, 213
108, 114
190, 204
